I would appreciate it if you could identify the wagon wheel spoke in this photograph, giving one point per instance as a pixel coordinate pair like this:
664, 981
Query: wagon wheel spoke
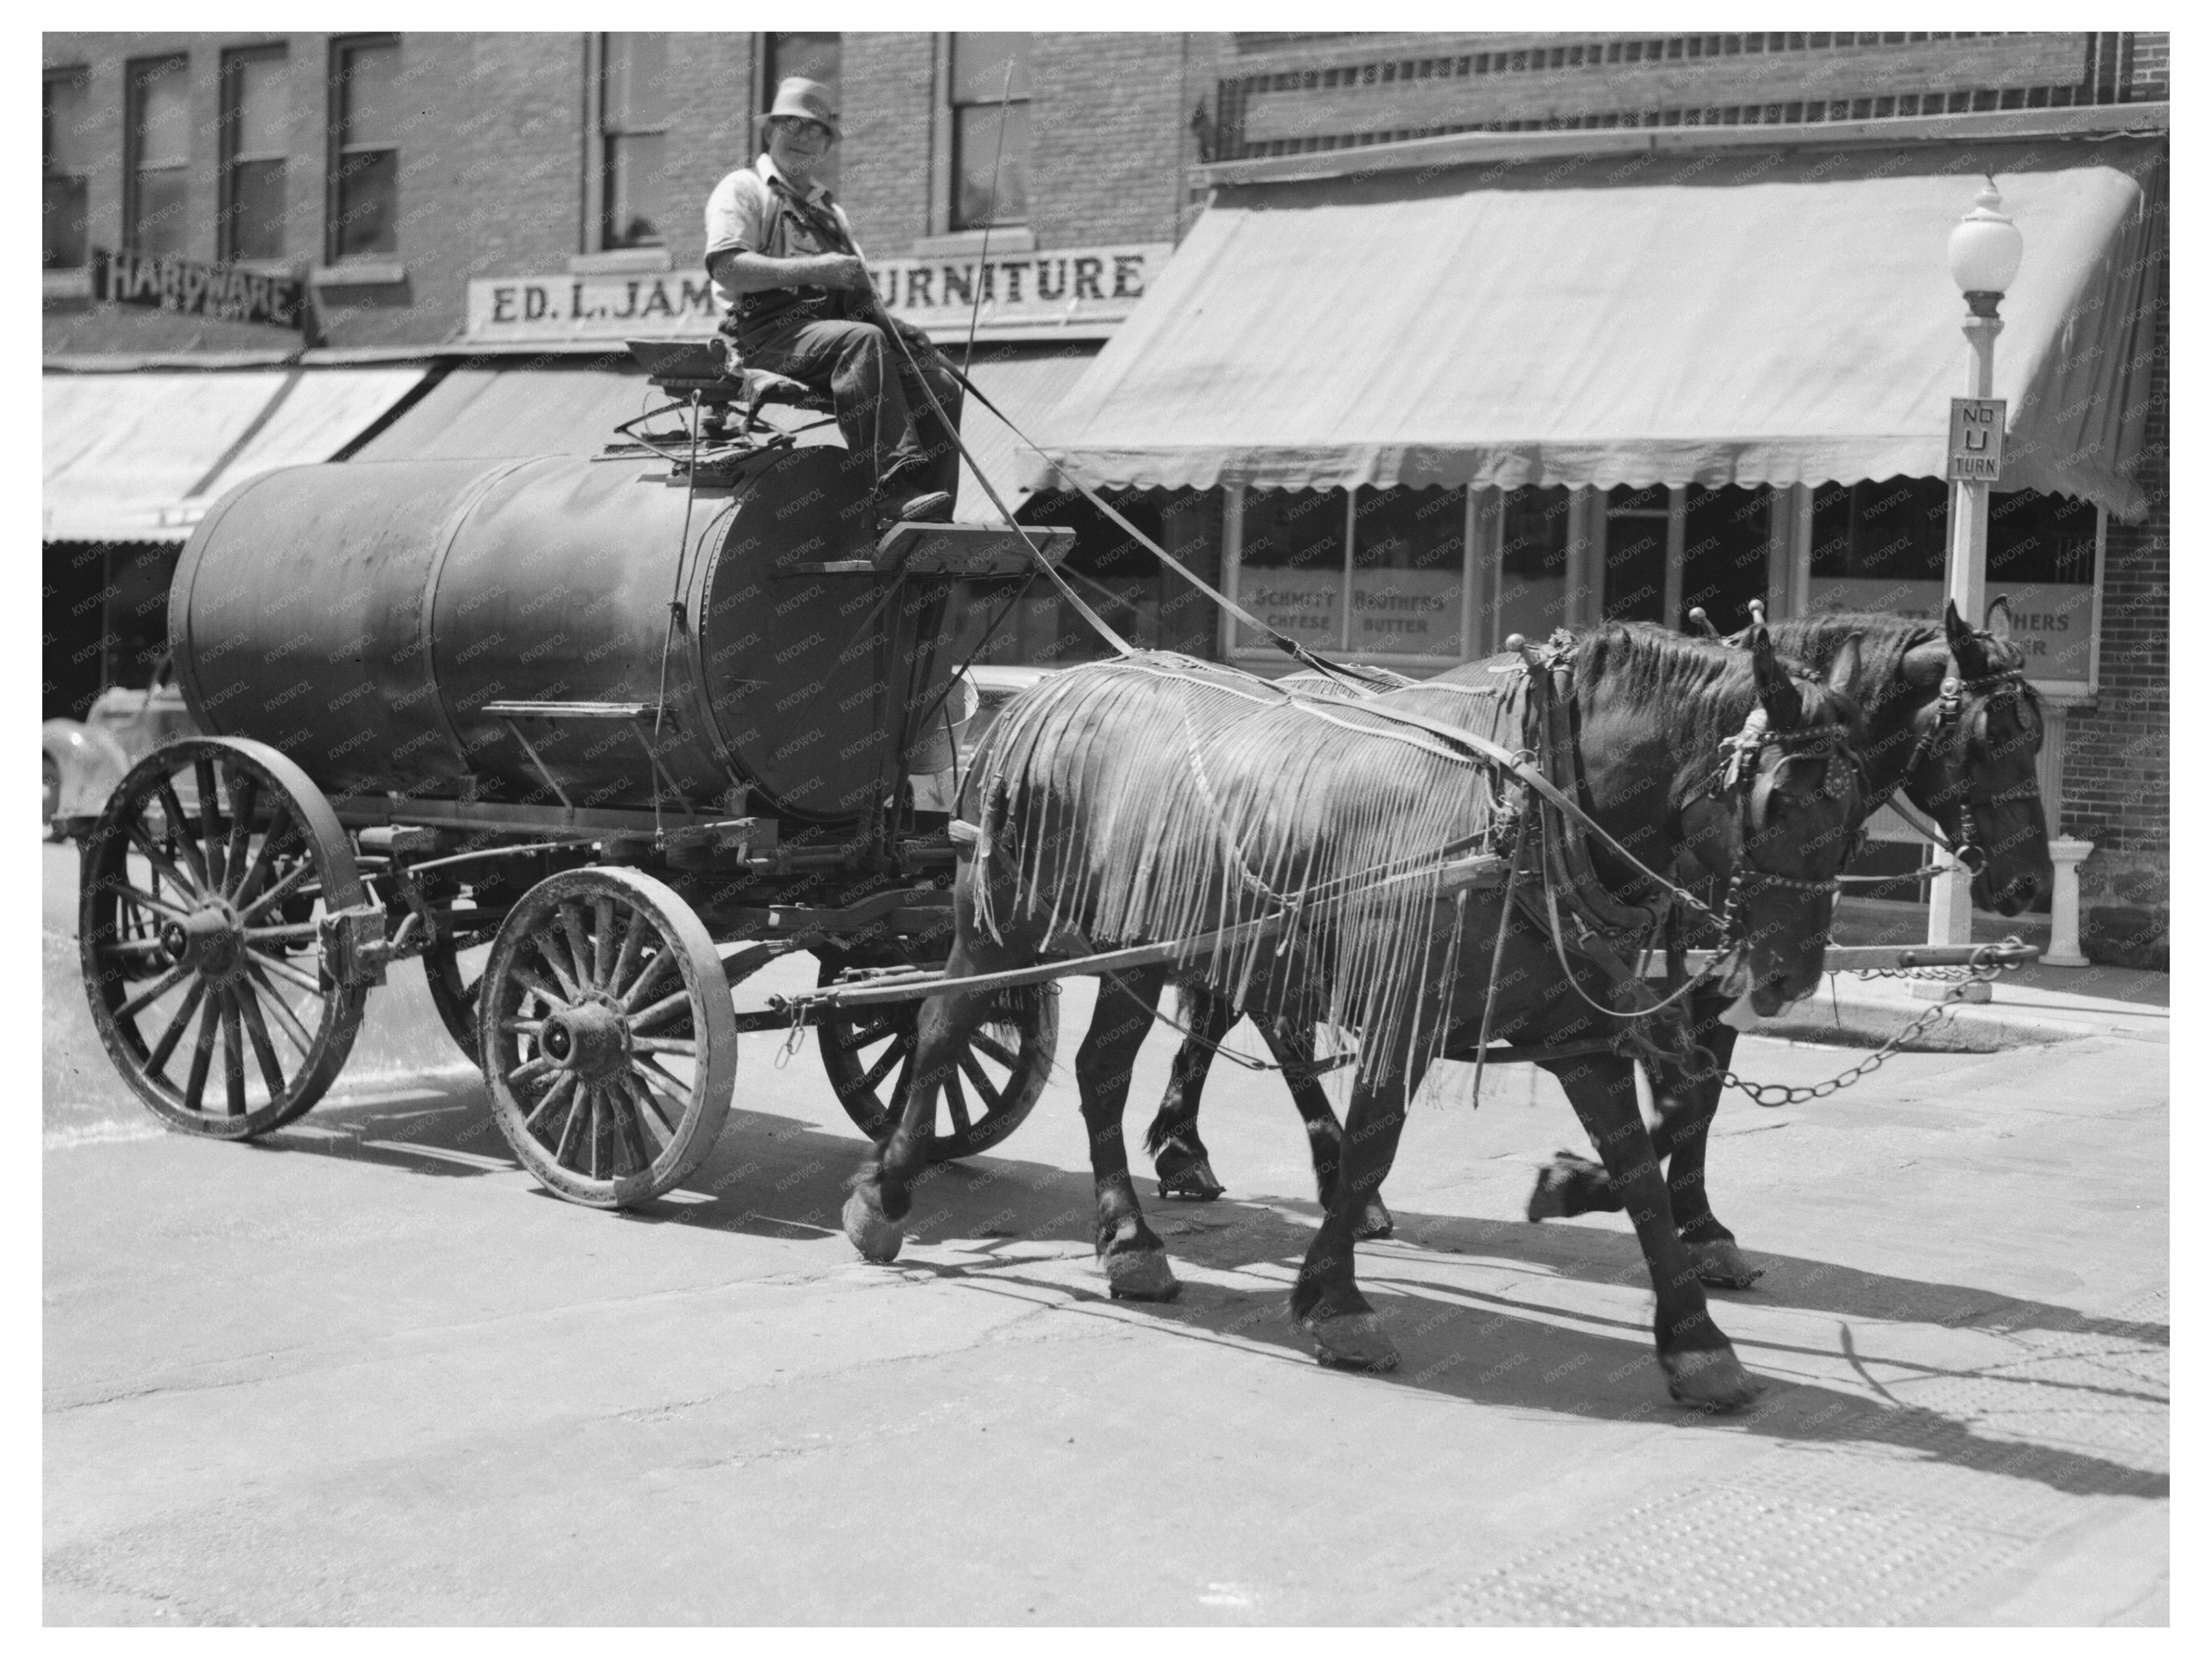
281, 828
636, 1140
539, 988
529, 1071
550, 950
563, 1086
579, 948
264, 1051
234, 1056
603, 940
181, 834
648, 1111
167, 982
245, 793
652, 1045
203, 1055
662, 1012
651, 1070
283, 970
285, 887
659, 969
986, 1090
578, 1098
997, 1050
285, 1018
861, 1036
890, 1057
160, 906
211, 837
626, 959
157, 1057
160, 861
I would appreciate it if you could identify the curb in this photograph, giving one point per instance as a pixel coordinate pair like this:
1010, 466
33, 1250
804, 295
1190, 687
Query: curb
1860, 1021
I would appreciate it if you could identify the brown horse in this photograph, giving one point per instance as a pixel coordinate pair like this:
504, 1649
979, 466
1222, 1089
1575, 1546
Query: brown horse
1152, 797
1953, 725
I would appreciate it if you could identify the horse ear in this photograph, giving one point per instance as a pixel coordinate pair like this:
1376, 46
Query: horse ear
1844, 672
1966, 649
1776, 694
2000, 619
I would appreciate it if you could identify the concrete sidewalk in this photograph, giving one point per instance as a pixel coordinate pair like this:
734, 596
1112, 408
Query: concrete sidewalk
2026, 1007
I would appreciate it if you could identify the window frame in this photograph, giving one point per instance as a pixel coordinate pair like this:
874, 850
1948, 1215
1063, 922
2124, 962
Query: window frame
1474, 537
137, 73
602, 140
340, 149
946, 217
79, 75
229, 109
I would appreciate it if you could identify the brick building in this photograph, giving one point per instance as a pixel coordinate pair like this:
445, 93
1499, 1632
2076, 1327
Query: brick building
478, 221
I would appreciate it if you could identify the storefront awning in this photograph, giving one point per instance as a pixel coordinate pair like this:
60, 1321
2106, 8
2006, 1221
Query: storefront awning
139, 456
1713, 317
1026, 384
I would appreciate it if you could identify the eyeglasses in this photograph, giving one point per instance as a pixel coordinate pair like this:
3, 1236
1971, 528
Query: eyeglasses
799, 127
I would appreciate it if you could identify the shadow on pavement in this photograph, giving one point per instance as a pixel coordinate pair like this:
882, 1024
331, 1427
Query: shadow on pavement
781, 1177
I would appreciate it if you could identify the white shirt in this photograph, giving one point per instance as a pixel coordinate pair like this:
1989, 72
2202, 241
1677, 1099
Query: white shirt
738, 215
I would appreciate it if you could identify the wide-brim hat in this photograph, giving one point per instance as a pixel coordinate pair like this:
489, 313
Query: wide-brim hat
807, 100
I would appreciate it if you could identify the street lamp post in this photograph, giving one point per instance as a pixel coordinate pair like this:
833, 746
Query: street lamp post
1984, 256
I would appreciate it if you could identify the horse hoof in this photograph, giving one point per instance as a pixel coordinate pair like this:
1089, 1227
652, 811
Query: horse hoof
1560, 1188
1719, 1262
1375, 1221
1195, 1181
1352, 1342
1710, 1378
874, 1235
1141, 1276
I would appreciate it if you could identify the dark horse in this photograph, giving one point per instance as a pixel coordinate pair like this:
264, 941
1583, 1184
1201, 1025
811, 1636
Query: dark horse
1964, 756
1953, 724
1153, 798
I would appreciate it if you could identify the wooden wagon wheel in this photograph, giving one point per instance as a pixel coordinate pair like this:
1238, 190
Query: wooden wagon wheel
869, 1052
201, 896
606, 1036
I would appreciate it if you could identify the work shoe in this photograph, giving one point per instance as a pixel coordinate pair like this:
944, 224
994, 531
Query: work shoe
931, 506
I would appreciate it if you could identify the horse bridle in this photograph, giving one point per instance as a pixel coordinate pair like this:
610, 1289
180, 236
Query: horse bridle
1740, 773
1949, 727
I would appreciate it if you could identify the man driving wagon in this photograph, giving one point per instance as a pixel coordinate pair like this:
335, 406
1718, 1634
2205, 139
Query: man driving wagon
795, 291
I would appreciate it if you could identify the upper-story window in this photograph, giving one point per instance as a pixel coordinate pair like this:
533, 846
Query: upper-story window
364, 191
158, 132
633, 139
819, 58
256, 118
990, 129
68, 160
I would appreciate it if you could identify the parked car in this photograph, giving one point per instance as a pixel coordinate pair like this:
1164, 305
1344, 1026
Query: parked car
82, 761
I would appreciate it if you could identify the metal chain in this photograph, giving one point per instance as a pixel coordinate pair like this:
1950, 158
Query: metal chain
1771, 1094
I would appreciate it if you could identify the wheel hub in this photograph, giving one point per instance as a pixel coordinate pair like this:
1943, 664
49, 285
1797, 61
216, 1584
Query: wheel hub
210, 940
591, 1038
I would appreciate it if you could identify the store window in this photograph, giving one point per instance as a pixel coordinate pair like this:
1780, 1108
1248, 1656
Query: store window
633, 139
991, 132
68, 162
158, 132
1669, 549
1530, 528
1372, 572
816, 56
1882, 547
364, 186
257, 119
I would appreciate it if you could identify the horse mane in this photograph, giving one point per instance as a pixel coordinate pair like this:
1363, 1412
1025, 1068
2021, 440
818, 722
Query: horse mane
1885, 641
1705, 689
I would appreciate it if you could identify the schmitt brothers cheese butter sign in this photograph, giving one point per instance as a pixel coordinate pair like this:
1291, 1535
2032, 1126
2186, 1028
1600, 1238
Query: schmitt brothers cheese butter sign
1394, 612
1064, 287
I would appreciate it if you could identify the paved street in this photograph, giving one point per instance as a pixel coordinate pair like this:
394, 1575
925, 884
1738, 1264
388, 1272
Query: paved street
367, 1372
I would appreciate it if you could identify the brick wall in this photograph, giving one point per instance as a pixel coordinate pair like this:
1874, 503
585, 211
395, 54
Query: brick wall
2117, 758
890, 94
1109, 120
